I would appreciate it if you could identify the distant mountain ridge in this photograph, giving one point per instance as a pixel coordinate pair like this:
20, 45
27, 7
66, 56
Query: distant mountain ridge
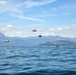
59, 43
31, 41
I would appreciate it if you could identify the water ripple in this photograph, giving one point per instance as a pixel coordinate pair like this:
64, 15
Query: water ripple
38, 60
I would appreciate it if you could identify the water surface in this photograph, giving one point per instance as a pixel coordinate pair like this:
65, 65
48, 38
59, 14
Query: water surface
37, 60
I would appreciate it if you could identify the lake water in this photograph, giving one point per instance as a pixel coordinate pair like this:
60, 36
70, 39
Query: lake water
37, 60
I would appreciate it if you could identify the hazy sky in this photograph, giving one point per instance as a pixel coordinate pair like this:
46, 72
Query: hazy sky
49, 17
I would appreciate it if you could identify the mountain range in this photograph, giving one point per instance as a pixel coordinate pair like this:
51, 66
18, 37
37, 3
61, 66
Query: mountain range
35, 40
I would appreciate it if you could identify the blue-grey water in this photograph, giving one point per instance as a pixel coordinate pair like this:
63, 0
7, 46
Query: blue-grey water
37, 60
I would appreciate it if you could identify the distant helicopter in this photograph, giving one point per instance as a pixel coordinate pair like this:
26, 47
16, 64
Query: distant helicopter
39, 35
6, 41
36, 31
